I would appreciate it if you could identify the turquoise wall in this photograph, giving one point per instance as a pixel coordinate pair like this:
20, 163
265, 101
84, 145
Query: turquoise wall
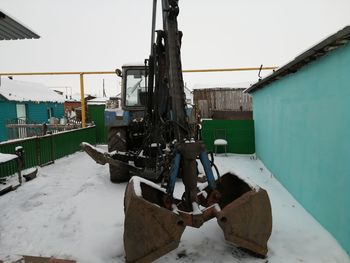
302, 134
36, 112
7, 111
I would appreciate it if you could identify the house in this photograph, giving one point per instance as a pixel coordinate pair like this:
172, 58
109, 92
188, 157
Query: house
302, 130
72, 105
21, 100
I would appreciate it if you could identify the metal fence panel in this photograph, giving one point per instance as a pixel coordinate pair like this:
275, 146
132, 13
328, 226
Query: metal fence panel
239, 135
43, 150
96, 114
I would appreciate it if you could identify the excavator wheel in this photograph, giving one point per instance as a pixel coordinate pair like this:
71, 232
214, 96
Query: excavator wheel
117, 142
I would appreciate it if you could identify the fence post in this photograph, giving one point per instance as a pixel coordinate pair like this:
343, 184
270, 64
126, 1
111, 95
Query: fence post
38, 150
44, 129
52, 149
20, 162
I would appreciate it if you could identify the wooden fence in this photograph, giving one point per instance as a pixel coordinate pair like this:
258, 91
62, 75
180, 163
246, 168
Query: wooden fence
19, 128
221, 99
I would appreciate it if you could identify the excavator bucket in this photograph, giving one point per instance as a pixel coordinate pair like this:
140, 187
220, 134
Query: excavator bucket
245, 215
150, 230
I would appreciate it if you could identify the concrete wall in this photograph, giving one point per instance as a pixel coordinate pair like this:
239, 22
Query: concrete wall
302, 134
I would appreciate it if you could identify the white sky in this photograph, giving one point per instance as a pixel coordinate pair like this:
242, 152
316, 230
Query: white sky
89, 35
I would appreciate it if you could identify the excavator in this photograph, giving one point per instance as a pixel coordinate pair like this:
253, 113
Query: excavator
152, 145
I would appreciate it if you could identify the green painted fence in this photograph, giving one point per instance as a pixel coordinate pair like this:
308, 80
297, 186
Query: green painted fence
239, 135
43, 150
97, 115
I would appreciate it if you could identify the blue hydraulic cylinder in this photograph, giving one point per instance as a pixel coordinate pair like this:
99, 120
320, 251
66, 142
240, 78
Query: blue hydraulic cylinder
203, 156
174, 173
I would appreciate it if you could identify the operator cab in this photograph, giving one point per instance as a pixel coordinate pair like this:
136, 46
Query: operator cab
134, 87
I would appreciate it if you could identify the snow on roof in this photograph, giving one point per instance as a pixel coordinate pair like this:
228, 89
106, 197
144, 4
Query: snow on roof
98, 101
134, 64
75, 97
15, 90
240, 85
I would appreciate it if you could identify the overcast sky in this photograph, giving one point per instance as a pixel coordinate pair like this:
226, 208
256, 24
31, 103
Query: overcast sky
89, 35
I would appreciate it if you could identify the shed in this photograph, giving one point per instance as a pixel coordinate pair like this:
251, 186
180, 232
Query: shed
302, 123
222, 103
72, 105
24, 101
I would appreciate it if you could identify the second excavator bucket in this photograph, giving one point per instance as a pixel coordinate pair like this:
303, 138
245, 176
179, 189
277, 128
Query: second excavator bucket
150, 230
245, 216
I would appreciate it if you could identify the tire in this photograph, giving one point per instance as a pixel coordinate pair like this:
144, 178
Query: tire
117, 141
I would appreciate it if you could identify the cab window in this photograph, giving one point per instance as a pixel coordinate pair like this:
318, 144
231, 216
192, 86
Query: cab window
135, 94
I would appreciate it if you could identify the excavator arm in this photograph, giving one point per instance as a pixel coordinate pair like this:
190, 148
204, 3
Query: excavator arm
165, 148
154, 218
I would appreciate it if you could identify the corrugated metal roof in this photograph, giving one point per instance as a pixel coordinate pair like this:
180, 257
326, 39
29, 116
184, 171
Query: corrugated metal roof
333, 42
12, 30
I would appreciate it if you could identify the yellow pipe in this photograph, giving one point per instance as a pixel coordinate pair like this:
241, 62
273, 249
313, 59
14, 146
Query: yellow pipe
113, 72
82, 101
225, 69
56, 73
82, 73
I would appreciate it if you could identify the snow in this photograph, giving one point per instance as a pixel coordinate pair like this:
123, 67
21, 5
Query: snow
98, 101
137, 185
18, 148
10, 181
13, 180
16, 140
15, 90
72, 211
93, 147
220, 142
134, 64
238, 85
76, 97
5, 157
195, 209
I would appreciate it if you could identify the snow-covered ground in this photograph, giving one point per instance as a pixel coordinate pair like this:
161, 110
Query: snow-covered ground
72, 211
